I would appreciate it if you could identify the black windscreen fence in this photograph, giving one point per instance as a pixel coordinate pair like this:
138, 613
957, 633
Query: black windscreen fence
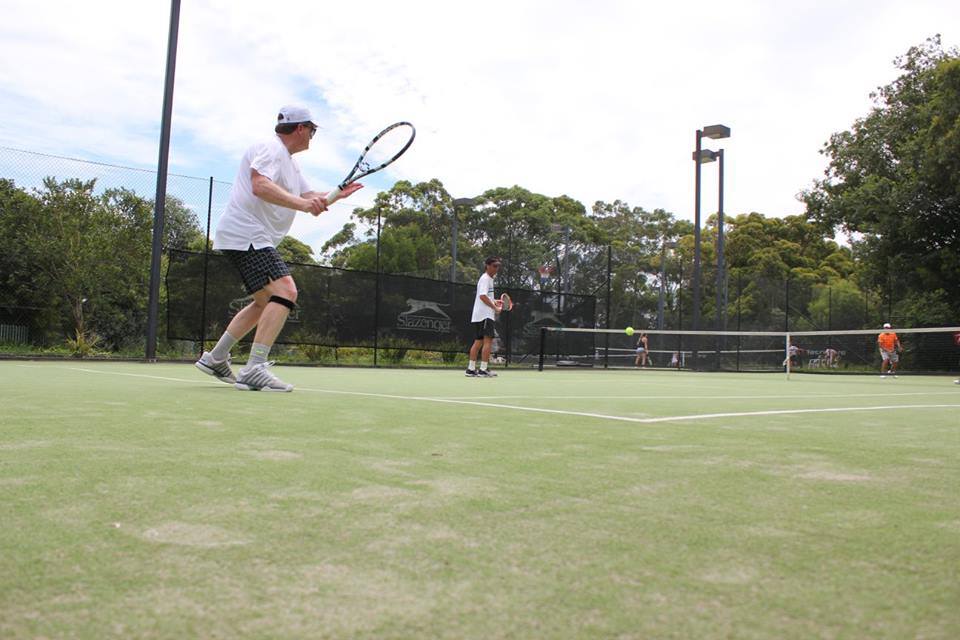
344, 308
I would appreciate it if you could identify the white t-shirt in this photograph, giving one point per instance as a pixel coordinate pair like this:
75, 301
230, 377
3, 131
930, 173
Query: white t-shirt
249, 220
480, 310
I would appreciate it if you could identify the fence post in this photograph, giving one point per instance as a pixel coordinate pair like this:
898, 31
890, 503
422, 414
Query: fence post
206, 259
739, 314
543, 346
680, 318
606, 336
376, 297
830, 316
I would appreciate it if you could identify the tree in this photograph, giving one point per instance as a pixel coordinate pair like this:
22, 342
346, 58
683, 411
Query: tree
893, 180
295, 251
78, 256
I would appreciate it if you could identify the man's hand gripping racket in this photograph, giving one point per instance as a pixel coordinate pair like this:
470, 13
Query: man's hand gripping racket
386, 146
503, 304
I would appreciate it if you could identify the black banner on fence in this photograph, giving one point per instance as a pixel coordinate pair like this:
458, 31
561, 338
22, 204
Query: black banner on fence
336, 308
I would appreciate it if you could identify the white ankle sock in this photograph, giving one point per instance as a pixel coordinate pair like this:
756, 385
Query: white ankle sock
222, 350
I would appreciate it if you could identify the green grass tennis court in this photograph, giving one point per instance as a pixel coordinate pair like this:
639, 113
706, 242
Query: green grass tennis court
150, 501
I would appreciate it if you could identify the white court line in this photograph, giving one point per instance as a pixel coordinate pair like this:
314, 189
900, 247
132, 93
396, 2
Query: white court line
794, 396
601, 416
744, 414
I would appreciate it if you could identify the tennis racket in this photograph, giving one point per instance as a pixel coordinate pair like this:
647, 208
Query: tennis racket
386, 146
504, 303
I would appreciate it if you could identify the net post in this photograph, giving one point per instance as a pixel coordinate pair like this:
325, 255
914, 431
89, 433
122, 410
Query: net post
543, 347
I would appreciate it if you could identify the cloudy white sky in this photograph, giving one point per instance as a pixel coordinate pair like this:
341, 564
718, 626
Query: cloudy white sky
597, 100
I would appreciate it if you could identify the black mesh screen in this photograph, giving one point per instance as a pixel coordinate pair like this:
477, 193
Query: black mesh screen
338, 307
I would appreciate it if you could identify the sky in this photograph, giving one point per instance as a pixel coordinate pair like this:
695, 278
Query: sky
596, 100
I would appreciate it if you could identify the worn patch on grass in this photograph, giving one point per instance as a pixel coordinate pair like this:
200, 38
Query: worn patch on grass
932, 462
729, 575
391, 467
411, 534
26, 444
671, 447
950, 525
274, 454
15, 482
192, 535
834, 476
380, 492
457, 486
646, 489
298, 493
209, 423
767, 531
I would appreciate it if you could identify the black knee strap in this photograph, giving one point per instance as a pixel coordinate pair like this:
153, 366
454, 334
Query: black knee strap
289, 304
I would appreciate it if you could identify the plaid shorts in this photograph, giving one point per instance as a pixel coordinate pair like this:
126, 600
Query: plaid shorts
258, 267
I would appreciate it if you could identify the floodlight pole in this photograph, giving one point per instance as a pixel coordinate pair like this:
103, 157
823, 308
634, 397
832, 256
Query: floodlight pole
696, 242
721, 264
153, 304
721, 276
714, 131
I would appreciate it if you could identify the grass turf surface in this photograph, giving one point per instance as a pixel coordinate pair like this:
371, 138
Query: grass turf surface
150, 501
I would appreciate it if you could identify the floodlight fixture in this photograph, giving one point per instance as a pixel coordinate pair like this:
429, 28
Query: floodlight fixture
716, 131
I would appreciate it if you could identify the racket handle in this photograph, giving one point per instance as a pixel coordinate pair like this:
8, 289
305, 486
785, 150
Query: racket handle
333, 196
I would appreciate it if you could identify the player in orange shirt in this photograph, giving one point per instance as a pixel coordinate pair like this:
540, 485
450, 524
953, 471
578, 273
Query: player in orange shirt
890, 350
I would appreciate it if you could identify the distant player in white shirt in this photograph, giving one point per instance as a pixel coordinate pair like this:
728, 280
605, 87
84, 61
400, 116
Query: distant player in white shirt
484, 320
267, 193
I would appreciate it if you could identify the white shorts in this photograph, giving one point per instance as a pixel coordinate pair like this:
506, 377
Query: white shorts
640, 350
892, 356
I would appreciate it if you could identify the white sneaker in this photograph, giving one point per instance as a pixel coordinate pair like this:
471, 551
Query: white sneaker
260, 378
956, 381
219, 370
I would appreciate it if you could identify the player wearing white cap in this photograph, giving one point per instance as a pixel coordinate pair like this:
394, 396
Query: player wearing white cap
266, 195
890, 350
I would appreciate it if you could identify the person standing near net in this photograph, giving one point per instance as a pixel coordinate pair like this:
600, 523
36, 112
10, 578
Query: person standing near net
266, 195
643, 349
890, 350
484, 320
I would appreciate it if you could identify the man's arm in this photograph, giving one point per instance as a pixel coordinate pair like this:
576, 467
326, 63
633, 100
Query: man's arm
485, 300
268, 190
351, 188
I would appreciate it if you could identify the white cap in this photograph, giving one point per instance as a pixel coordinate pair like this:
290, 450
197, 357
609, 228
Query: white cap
293, 114
886, 325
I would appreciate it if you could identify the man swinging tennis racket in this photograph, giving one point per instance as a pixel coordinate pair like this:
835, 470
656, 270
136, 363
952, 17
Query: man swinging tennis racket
267, 192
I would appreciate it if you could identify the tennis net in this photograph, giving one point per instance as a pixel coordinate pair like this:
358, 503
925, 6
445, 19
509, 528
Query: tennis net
917, 350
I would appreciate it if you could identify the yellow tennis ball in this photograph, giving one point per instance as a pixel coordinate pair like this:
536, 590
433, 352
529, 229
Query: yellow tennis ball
628, 331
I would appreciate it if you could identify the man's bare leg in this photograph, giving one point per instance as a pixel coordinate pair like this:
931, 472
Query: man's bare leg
248, 317
474, 352
485, 353
216, 362
272, 317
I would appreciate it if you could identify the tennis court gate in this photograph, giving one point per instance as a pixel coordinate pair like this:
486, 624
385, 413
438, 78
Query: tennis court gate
384, 312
